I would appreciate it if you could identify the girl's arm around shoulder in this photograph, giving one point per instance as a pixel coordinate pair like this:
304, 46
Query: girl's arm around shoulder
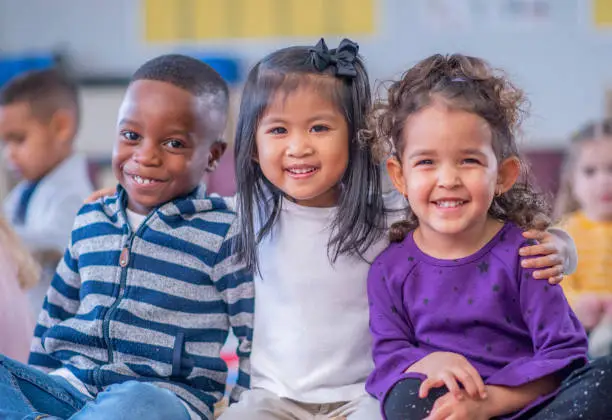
235, 284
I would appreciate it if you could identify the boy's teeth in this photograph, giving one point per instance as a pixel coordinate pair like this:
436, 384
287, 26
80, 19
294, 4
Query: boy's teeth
449, 204
141, 180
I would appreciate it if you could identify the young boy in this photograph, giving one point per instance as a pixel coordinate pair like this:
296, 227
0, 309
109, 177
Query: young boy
144, 297
39, 116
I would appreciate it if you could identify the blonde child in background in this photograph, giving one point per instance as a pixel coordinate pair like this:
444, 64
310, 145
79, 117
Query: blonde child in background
585, 204
18, 273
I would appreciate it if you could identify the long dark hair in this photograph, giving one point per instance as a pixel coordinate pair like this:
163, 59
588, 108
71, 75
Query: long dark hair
469, 84
359, 221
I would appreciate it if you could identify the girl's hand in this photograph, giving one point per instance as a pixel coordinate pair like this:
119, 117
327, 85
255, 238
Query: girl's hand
99, 194
448, 407
551, 251
444, 368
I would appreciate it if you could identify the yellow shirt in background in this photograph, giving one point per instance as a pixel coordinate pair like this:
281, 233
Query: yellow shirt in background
594, 244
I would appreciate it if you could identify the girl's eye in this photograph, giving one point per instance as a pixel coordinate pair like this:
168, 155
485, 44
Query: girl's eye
130, 135
319, 128
278, 130
471, 161
589, 171
174, 144
424, 162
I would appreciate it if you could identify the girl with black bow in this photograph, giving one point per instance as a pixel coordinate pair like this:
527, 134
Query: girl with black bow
313, 218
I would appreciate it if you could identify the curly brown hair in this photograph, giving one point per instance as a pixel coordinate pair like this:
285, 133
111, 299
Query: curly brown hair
469, 84
566, 200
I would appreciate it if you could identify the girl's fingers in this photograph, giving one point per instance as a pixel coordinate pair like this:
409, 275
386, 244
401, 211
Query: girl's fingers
557, 270
538, 235
539, 249
555, 279
548, 261
468, 382
451, 383
480, 386
440, 411
427, 385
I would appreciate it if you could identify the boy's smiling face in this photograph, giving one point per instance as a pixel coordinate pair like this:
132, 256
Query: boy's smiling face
164, 144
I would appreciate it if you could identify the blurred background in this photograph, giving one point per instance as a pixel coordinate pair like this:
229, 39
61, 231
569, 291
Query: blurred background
557, 50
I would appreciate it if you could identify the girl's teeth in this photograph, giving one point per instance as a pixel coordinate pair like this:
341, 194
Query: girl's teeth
301, 171
449, 204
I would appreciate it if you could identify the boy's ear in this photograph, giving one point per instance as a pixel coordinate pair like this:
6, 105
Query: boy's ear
394, 168
63, 125
508, 173
216, 151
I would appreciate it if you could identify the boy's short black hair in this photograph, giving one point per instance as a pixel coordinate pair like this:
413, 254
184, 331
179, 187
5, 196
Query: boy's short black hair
192, 75
46, 91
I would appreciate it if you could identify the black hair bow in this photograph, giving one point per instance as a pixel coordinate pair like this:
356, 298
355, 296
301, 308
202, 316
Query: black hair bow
342, 58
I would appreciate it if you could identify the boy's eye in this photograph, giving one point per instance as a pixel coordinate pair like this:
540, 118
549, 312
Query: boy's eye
319, 128
278, 130
130, 135
174, 144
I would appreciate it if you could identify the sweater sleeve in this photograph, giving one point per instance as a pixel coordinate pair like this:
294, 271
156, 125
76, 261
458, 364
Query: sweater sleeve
235, 283
62, 302
395, 348
570, 262
559, 341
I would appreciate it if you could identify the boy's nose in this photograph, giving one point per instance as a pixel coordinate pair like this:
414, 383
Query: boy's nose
147, 155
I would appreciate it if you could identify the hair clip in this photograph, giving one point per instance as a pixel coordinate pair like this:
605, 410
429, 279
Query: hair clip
342, 58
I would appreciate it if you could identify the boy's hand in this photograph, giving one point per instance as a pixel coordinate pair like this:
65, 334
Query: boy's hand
448, 407
551, 252
444, 368
104, 192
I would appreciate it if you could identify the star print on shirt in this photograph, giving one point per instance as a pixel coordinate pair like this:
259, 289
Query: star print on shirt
483, 267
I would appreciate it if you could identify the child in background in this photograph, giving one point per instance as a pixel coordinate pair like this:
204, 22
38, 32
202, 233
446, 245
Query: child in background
313, 217
18, 272
460, 329
143, 300
39, 119
585, 204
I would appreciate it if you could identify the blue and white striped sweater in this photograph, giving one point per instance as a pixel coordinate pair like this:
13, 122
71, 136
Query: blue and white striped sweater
153, 305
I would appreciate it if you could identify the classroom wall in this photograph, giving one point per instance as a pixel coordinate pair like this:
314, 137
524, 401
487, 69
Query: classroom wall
564, 63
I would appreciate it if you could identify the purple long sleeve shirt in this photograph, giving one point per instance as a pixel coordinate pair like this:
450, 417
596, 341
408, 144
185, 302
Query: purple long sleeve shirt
511, 328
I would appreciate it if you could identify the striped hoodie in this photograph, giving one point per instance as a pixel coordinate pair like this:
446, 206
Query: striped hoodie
154, 304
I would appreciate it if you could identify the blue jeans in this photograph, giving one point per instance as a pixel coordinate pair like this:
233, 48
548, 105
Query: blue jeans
28, 394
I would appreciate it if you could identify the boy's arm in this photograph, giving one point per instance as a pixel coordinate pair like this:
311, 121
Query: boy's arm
235, 283
394, 346
62, 302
